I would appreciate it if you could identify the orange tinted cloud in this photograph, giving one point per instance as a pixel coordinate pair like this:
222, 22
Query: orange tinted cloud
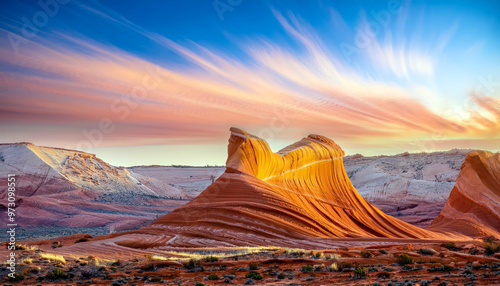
290, 92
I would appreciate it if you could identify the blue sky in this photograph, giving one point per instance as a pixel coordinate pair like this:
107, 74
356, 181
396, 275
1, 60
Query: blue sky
378, 77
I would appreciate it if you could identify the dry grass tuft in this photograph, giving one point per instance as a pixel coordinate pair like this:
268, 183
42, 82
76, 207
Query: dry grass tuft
53, 257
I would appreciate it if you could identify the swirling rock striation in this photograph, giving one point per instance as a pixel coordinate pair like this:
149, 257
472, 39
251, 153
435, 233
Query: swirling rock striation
300, 192
473, 207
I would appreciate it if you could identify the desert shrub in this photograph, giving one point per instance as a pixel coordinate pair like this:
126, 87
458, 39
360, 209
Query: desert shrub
117, 263
25, 247
365, 254
281, 276
211, 258
345, 264
491, 248
442, 283
212, 277
384, 274
334, 256
450, 246
113, 269
156, 279
318, 268
404, 259
473, 251
17, 277
199, 284
333, 267
27, 261
90, 271
447, 268
307, 268
56, 274
319, 255
382, 251
444, 268
425, 251
193, 264
56, 244
360, 272
253, 266
83, 239
255, 275
294, 252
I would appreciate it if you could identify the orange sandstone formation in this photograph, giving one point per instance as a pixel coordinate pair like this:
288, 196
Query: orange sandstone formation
299, 193
473, 207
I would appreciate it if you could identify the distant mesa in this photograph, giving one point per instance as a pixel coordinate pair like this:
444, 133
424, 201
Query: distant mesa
48, 170
68, 188
412, 187
473, 207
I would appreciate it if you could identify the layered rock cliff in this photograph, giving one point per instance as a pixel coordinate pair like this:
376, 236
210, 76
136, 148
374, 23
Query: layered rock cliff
68, 188
473, 207
300, 192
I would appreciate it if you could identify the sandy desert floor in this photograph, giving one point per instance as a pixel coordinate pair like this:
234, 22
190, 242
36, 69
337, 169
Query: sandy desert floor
426, 263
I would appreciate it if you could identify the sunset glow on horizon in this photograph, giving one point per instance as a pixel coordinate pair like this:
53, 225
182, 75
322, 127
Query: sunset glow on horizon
163, 83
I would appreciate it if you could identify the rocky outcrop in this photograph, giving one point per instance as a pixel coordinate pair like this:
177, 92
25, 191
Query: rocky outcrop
45, 171
473, 207
61, 187
412, 187
298, 193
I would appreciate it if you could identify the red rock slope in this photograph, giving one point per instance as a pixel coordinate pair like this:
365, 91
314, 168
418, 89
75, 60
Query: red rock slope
473, 207
300, 192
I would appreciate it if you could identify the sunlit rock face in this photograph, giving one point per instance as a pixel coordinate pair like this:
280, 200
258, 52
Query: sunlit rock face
69, 188
300, 192
46, 171
473, 207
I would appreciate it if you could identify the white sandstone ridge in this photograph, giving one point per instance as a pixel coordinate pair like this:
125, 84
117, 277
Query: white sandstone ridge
413, 187
45, 171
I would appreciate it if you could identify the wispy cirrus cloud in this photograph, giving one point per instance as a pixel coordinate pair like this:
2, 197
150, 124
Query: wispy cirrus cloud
73, 83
